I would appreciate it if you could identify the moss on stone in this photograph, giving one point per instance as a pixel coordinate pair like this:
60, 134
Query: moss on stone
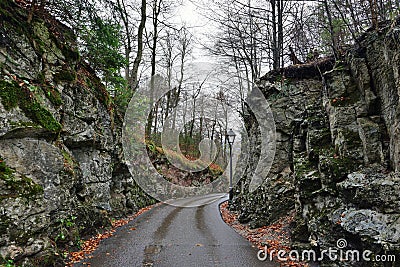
55, 40
9, 95
19, 187
42, 116
53, 95
97, 88
352, 138
46, 42
320, 139
40, 34
69, 163
335, 167
70, 54
302, 166
341, 166
23, 124
65, 76
13, 95
5, 172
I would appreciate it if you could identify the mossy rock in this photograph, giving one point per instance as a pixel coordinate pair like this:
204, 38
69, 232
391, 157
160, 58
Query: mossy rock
13, 95
4, 224
19, 236
65, 75
302, 166
9, 95
336, 168
69, 163
87, 76
43, 117
45, 41
23, 124
18, 186
6, 173
352, 139
52, 94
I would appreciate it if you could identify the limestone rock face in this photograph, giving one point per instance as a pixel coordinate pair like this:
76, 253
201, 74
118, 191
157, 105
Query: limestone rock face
61, 170
337, 158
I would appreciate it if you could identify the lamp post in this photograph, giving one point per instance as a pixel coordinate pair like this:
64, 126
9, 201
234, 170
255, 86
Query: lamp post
230, 136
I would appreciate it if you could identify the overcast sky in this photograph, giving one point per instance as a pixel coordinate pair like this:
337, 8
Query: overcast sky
201, 64
189, 14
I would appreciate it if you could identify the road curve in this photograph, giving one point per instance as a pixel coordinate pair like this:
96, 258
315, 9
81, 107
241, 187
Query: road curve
174, 236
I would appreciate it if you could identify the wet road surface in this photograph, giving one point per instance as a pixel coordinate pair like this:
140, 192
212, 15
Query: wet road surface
175, 236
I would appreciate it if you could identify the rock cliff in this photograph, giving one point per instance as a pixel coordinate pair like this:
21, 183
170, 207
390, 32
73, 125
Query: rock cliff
61, 168
337, 157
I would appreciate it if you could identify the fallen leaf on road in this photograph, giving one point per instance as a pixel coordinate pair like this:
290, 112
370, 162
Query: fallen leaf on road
275, 236
91, 245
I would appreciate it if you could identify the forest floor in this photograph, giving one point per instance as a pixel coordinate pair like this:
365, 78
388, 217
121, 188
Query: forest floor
271, 238
181, 177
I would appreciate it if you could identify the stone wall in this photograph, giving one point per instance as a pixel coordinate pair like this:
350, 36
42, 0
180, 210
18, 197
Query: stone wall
61, 169
337, 160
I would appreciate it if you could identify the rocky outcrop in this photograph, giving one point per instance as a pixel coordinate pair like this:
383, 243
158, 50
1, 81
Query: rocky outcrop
61, 170
337, 156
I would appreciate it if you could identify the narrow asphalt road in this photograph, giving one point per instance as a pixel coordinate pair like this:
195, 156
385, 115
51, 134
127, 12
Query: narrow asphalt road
177, 237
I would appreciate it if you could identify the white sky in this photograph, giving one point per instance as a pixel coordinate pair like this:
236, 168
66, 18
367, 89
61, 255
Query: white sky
202, 64
187, 13
198, 26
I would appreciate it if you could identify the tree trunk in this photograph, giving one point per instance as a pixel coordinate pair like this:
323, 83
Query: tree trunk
280, 33
374, 13
275, 42
128, 42
331, 29
156, 12
133, 79
193, 117
31, 11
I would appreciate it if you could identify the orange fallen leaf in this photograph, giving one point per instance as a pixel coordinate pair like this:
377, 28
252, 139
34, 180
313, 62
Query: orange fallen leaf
92, 244
275, 236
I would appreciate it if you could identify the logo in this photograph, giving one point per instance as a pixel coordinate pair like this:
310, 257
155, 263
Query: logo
340, 254
154, 184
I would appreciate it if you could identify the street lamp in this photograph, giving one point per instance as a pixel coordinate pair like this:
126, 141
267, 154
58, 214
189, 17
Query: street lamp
230, 136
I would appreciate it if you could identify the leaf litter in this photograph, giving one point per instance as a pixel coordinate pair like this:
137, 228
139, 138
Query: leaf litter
275, 236
90, 245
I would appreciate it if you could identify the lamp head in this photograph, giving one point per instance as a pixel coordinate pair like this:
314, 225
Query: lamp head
230, 135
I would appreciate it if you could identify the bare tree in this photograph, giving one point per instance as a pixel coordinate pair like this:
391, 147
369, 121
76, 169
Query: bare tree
133, 78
